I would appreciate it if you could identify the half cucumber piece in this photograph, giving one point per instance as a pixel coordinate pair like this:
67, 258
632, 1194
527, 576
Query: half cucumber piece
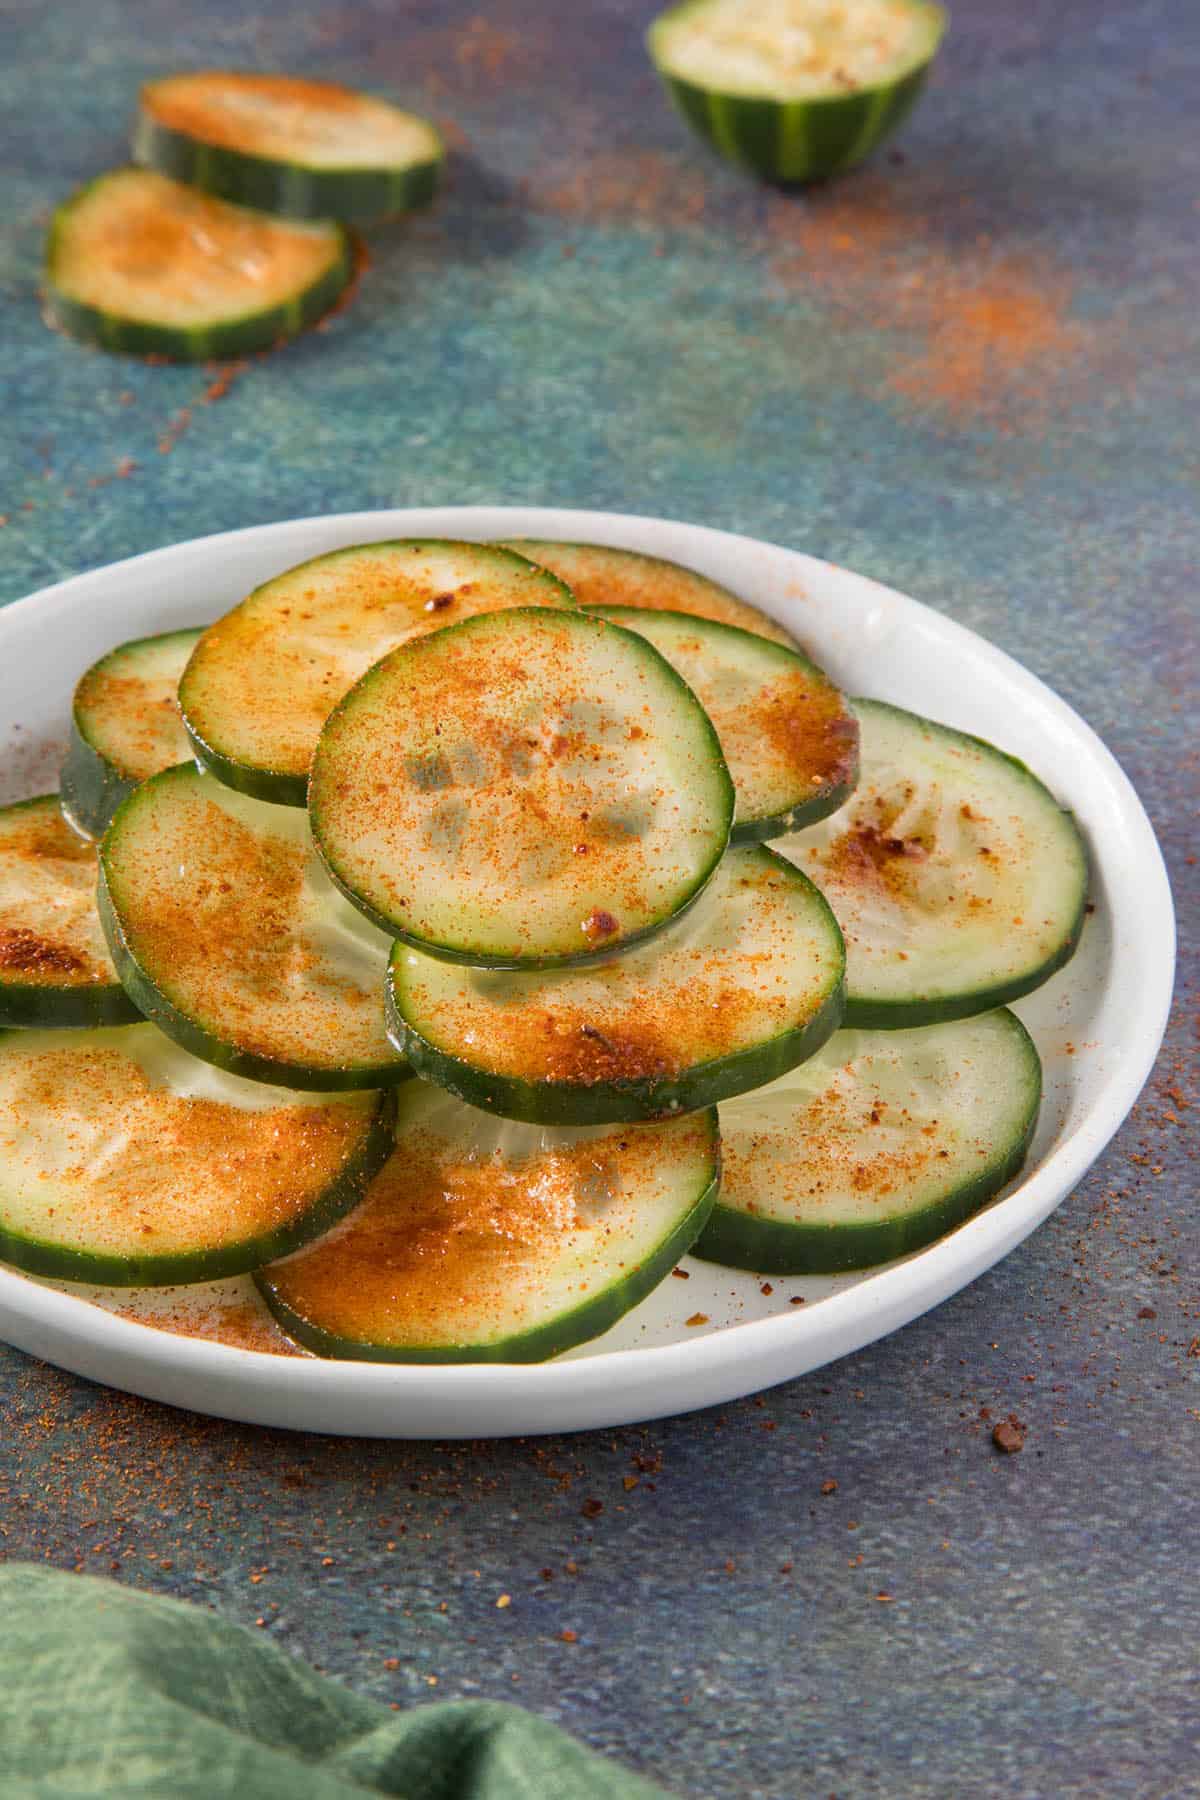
125, 726
743, 987
228, 933
307, 149
487, 1241
795, 90
598, 575
263, 680
958, 880
525, 789
128, 1163
881, 1143
54, 963
789, 736
139, 263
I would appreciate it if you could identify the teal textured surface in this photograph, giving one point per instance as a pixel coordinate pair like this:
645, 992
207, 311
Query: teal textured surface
968, 369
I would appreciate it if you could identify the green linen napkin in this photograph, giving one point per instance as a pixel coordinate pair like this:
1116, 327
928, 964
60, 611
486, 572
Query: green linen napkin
108, 1692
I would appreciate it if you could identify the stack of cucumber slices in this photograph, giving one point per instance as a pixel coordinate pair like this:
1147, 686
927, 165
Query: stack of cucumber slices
408, 939
231, 233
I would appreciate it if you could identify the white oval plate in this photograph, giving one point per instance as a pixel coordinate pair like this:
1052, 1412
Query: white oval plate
1098, 1024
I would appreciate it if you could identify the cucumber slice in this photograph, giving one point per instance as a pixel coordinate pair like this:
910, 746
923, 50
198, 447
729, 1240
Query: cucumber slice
879, 1145
795, 90
749, 983
139, 263
790, 738
307, 149
263, 680
522, 790
598, 575
957, 879
127, 1162
482, 1240
125, 726
228, 933
54, 963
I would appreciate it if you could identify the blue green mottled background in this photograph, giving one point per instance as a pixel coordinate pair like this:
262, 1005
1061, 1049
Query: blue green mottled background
970, 370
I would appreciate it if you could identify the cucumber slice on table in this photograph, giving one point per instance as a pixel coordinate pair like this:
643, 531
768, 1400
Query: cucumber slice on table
308, 149
795, 90
263, 680
525, 789
790, 738
598, 575
483, 1240
880, 1144
139, 263
228, 933
54, 963
958, 880
743, 987
127, 1162
125, 726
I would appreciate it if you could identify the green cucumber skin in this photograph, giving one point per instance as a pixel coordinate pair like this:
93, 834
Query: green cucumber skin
740, 1240
288, 190
900, 1015
215, 343
65, 1009
792, 143
260, 784
26, 1004
768, 825
595, 1316
91, 788
149, 1001
36, 1257
616, 1102
478, 958
482, 959
769, 1248
777, 825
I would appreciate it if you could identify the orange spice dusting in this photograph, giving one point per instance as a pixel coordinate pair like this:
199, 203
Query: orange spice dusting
244, 1325
643, 185
190, 1170
809, 727
443, 1245
152, 734
229, 942
25, 952
991, 334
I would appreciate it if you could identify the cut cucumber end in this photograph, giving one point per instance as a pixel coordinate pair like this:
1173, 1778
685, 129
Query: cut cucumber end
525, 789
743, 988
139, 263
490, 1241
796, 90
290, 146
128, 1163
880, 1145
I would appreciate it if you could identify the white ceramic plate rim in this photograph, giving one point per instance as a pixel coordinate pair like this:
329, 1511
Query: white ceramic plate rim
627, 1385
